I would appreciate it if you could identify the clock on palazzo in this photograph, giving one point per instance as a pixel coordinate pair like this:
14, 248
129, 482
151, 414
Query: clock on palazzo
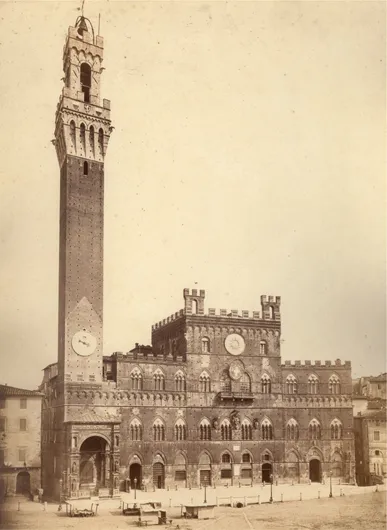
234, 344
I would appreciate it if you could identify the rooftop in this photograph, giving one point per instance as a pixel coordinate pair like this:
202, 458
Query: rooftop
6, 390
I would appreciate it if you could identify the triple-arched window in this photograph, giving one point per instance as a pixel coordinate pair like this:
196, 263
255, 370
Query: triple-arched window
158, 380
291, 384
336, 429
267, 430
225, 430
246, 430
334, 384
179, 381
136, 379
265, 384
313, 384
135, 430
158, 431
205, 430
204, 382
314, 430
292, 430
180, 430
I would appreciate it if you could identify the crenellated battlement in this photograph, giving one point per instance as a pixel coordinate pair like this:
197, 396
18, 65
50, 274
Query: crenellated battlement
168, 320
337, 362
194, 306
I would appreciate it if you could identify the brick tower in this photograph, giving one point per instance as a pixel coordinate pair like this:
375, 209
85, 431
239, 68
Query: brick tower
80, 444
82, 133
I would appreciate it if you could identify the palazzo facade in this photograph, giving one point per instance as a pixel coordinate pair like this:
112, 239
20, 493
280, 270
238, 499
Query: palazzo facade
209, 401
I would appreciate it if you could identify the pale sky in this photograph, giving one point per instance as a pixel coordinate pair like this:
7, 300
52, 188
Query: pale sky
248, 158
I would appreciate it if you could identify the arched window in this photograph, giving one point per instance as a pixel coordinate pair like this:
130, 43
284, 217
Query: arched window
291, 384
292, 430
314, 430
265, 384
135, 430
179, 381
85, 168
158, 431
82, 131
72, 133
225, 382
204, 382
263, 347
267, 430
245, 383
194, 307
180, 430
205, 345
312, 384
246, 430
334, 384
86, 81
271, 312
225, 430
91, 138
336, 429
226, 458
136, 379
158, 380
205, 430
100, 141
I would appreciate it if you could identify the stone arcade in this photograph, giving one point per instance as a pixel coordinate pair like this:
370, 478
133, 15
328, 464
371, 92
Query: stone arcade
209, 401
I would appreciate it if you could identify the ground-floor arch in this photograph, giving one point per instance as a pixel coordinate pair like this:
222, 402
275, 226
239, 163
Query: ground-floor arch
267, 471
315, 470
93, 464
159, 475
23, 483
135, 475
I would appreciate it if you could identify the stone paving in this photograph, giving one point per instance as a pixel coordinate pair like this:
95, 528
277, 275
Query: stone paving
356, 508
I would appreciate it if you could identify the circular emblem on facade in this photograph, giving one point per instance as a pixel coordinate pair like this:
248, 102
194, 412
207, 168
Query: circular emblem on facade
234, 344
235, 371
84, 343
136, 411
180, 413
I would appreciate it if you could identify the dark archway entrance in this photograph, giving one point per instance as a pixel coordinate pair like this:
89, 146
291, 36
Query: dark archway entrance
135, 472
92, 469
267, 470
23, 483
158, 475
315, 470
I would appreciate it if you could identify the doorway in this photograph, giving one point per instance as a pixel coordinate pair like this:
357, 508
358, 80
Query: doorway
135, 472
315, 470
267, 470
158, 475
23, 483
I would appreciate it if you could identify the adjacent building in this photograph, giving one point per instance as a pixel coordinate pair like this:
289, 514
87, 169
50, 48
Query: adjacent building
20, 424
370, 400
210, 400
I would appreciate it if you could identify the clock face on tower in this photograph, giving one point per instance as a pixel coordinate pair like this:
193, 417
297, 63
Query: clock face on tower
234, 344
83, 343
